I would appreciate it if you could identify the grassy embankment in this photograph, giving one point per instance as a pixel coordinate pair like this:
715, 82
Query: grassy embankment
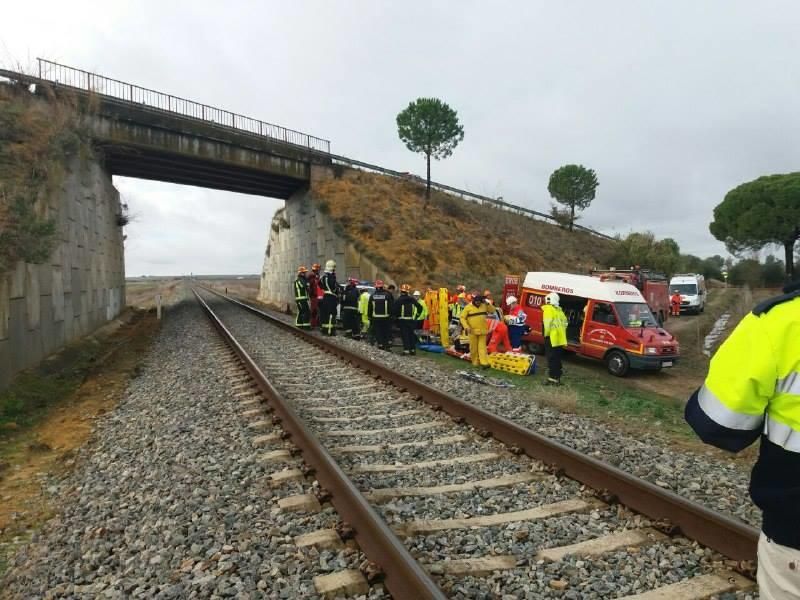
450, 240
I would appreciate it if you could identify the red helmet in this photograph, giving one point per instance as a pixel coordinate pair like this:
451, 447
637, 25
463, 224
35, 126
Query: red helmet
379, 283
353, 281
315, 267
405, 288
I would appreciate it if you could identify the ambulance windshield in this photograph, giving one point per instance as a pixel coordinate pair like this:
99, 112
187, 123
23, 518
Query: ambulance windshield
635, 315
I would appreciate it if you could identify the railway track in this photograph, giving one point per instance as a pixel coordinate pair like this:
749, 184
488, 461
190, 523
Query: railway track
448, 500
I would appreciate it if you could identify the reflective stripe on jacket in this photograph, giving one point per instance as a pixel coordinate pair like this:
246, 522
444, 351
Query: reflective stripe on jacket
422, 314
405, 308
300, 289
350, 298
554, 322
380, 305
516, 316
752, 390
474, 318
328, 283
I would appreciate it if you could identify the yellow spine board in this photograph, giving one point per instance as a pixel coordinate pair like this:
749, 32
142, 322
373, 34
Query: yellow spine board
444, 299
512, 363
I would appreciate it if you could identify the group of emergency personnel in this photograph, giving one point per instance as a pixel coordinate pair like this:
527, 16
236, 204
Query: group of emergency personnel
317, 298
481, 322
487, 329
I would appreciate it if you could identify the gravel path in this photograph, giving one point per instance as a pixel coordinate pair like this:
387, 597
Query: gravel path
350, 394
170, 500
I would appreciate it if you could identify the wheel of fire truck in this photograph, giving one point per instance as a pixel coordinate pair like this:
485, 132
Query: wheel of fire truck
617, 363
534, 348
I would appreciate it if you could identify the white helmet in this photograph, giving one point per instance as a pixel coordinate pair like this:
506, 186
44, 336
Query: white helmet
330, 266
416, 293
552, 298
511, 300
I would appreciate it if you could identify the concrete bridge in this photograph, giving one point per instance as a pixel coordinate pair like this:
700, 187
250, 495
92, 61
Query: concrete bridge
139, 133
152, 135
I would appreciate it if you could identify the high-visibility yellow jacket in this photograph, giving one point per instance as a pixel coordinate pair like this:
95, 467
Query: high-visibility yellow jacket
422, 314
473, 318
753, 390
363, 306
554, 323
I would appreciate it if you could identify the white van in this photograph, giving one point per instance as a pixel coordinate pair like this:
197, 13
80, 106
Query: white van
692, 288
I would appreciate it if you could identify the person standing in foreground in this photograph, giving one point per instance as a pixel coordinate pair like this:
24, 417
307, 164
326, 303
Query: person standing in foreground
303, 318
473, 321
554, 325
351, 320
379, 311
405, 310
752, 391
330, 299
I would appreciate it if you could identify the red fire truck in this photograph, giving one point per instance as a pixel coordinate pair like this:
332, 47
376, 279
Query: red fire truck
653, 285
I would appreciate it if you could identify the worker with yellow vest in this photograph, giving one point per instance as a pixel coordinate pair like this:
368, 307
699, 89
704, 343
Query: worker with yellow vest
422, 313
554, 325
473, 320
363, 309
752, 391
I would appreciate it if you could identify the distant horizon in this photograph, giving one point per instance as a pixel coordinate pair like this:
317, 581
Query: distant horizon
195, 275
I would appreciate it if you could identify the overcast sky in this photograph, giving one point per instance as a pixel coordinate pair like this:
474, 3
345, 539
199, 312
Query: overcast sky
672, 103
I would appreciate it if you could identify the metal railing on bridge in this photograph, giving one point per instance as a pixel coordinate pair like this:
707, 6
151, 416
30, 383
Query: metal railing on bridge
152, 100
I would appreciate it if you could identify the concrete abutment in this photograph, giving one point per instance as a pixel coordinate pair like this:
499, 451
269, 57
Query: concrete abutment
301, 233
80, 288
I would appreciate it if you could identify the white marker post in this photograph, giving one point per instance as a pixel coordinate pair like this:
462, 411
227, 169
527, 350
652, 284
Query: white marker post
158, 306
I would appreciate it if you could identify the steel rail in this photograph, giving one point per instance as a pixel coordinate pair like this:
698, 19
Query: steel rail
404, 577
728, 536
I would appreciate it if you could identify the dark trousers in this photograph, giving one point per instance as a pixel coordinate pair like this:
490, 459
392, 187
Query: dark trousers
303, 318
314, 304
515, 335
327, 314
554, 354
351, 321
407, 334
383, 332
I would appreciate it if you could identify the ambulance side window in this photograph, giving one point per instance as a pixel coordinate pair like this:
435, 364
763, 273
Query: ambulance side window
603, 313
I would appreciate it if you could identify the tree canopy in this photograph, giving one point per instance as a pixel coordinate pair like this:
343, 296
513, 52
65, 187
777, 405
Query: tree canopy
761, 212
573, 186
430, 127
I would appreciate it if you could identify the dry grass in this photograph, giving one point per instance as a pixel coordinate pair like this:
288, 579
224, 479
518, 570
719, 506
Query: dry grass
35, 138
451, 240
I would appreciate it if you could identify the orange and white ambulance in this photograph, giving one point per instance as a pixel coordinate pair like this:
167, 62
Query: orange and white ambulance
608, 320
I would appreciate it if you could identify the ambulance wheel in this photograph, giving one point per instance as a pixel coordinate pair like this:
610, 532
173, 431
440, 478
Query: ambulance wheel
617, 363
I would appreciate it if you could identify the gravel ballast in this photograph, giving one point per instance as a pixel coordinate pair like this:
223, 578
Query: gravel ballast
705, 479
345, 390
170, 499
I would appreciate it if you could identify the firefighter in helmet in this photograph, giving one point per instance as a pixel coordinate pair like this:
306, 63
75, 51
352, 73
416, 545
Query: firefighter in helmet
303, 318
554, 324
330, 299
